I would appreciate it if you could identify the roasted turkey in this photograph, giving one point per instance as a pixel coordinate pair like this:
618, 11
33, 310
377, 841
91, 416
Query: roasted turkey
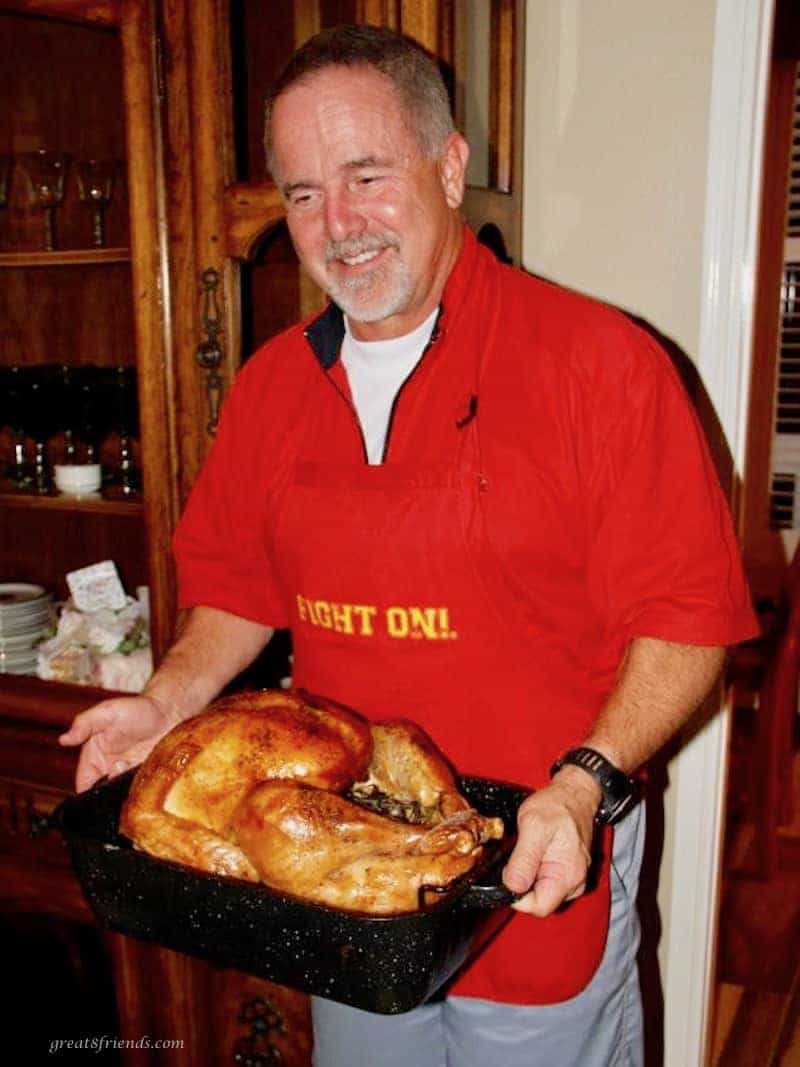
310, 798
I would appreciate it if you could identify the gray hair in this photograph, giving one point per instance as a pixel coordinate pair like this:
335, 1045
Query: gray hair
413, 72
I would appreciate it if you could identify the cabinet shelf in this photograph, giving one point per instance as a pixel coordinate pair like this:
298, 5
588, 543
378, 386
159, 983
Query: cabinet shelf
98, 505
25, 698
69, 257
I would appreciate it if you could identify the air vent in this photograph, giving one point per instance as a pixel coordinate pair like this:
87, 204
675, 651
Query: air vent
787, 410
785, 458
783, 501
793, 215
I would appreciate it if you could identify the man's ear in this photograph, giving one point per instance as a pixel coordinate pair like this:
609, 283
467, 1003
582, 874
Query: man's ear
453, 169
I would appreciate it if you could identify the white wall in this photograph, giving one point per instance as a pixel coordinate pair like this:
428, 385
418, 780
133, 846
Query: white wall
642, 141
616, 121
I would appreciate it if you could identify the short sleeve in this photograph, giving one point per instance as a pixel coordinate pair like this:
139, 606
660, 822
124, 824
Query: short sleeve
220, 543
664, 561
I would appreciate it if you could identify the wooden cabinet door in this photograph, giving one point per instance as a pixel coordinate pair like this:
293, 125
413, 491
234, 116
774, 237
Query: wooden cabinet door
69, 316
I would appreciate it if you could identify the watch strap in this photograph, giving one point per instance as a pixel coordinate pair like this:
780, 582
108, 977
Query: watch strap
619, 791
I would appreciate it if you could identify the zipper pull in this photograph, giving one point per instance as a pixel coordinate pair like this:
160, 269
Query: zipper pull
469, 414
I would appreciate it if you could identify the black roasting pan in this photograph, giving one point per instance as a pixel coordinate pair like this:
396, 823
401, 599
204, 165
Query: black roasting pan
385, 964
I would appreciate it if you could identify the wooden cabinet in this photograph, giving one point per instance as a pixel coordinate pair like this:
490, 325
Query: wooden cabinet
81, 305
196, 270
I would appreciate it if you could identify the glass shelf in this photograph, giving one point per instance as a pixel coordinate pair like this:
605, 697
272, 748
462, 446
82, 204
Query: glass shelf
68, 257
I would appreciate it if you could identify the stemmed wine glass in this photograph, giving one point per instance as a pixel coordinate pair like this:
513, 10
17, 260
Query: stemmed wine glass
125, 420
40, 415
46, 170
12, 397
67, 387
95, 185
90, 409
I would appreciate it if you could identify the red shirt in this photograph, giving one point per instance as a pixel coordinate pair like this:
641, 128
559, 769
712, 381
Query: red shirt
547, 496
608, 513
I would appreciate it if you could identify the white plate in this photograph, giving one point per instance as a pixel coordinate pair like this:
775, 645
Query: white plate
21, 629
14, 594
32, 611
28, 622
17, 654
25, 611
20, 642
17, 663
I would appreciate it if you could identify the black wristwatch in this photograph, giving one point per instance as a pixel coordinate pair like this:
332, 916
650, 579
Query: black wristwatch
619, 791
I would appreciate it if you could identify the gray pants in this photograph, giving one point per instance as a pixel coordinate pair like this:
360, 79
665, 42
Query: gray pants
600, 1027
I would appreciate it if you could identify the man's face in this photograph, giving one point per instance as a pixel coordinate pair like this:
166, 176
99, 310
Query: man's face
374, 222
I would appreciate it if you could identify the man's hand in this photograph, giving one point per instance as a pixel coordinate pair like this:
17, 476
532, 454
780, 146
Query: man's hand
660, 685
551, 858
116, 734
212, 647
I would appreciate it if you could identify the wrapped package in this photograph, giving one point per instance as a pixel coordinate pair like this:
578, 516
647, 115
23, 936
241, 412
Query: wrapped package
108, 647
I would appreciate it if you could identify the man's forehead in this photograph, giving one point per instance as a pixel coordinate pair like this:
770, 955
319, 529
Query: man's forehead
354, 115
362, 88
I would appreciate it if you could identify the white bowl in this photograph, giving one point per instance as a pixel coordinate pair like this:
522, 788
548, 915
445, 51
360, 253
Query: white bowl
77, 479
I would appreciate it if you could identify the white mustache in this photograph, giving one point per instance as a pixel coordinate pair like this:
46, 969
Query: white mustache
355, 246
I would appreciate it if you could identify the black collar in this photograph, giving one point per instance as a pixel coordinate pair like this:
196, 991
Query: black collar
325, 335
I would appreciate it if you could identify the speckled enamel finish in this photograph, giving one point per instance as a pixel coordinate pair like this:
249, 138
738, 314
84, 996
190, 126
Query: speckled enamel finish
385, 964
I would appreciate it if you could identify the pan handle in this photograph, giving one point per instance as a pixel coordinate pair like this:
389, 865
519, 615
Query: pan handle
487, 890
488, 893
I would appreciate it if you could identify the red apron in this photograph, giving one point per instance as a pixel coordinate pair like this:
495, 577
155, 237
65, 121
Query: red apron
400, 609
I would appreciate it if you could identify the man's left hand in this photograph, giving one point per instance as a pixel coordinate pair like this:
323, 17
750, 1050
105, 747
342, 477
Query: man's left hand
551, 858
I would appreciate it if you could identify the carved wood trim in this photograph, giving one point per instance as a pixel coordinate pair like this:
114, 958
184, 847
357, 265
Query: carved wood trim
379, 12
151, 311
258, 1021
37, 871
420, 19
251, 208
307, 20
199, 157
103, 12
501, 99
25, 809
212, 157
185, 289
130, 961
482, 205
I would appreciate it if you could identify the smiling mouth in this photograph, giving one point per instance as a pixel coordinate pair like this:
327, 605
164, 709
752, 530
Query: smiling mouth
362, 257
355, 254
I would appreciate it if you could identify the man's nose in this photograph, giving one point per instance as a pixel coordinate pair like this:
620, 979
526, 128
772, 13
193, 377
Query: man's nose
342, 217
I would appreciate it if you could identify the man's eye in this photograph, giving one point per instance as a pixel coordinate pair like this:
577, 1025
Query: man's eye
302, 197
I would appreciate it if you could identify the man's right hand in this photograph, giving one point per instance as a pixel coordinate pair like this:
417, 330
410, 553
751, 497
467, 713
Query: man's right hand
116, 734
119, 733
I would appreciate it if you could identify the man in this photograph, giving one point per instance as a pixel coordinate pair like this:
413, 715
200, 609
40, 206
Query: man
478, 501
